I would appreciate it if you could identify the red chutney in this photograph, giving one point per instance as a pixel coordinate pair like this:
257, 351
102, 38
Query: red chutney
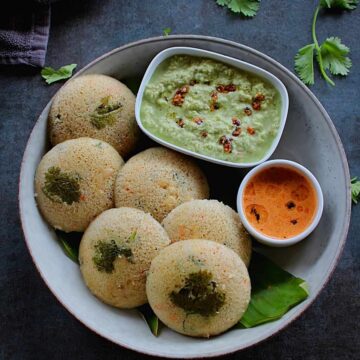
279, 202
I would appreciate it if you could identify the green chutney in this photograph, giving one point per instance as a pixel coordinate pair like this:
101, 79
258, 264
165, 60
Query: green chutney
212, 109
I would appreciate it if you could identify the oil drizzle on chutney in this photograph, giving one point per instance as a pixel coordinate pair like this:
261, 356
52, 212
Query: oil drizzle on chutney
279, 202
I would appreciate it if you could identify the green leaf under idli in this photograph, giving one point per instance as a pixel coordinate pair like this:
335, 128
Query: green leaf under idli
150, 318
70, 244
133, 83
274, 292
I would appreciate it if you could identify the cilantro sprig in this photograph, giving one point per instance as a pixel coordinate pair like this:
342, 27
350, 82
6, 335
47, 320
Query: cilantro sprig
167, 31
355, 190
247, 8
51, 75
331, 55
339, 4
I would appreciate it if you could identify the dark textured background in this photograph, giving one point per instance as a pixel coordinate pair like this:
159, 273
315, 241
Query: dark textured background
33, 325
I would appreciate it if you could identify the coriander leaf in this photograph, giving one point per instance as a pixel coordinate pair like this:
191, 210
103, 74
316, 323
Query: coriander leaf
245, 7
333, 54
304, 64
339, 4
355, 190
51, 75
167, 31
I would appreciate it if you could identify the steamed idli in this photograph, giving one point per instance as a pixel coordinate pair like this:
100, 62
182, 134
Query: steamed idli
96, 106
198, 287
157, 180
74, 182
115, 255
211, 220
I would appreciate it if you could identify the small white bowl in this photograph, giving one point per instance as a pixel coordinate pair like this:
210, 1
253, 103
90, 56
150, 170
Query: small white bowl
272, 241
273, 80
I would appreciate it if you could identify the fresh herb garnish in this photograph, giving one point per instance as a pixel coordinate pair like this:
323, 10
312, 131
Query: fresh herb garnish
244, 7
331, 55
355, 190
199, 295
104, 113
339, 4
107, 252
61, 186
51, 75
167, 31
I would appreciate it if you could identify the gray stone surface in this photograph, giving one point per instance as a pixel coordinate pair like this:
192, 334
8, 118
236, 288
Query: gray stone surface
33, 325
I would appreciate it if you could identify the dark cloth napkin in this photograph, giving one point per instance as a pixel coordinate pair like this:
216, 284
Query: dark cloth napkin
24, 32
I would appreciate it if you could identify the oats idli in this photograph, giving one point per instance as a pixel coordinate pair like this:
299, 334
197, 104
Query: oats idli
157, 180
96, 106
74, 182
211, 220
115, 255
198, 287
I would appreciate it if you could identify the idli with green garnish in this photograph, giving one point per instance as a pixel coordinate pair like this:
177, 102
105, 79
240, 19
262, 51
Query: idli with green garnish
157, 180
96, 106
198, 287
115, 255
210, 220
74, 182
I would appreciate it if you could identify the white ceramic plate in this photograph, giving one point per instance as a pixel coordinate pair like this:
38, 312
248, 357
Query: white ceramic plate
273, 80
309, 138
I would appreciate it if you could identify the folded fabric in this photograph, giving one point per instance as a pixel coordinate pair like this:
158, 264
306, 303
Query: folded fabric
24, 33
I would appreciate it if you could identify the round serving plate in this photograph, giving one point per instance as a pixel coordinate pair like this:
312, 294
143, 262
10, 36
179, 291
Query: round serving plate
309, 138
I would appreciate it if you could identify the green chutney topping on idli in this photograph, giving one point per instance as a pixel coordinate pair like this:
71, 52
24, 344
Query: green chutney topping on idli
97, 106
115, 254
212, 108
199, 295
62, 186
105, 113
198, 287
75, 182
107, 252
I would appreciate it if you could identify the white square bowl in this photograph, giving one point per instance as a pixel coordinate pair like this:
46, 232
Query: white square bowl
242, 65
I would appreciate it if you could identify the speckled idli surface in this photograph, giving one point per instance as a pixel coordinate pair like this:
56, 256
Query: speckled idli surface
74, 182
115, 254
96, 106
198, 287
210, 220
157, 180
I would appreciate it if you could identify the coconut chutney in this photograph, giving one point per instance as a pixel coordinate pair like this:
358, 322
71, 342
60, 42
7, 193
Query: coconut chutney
212, 109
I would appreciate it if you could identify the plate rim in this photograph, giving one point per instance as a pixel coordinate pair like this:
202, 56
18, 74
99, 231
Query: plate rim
333, 131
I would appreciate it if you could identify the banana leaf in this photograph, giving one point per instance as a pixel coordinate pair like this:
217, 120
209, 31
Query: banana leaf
150, 318
70, 244
133, 83
274, 292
